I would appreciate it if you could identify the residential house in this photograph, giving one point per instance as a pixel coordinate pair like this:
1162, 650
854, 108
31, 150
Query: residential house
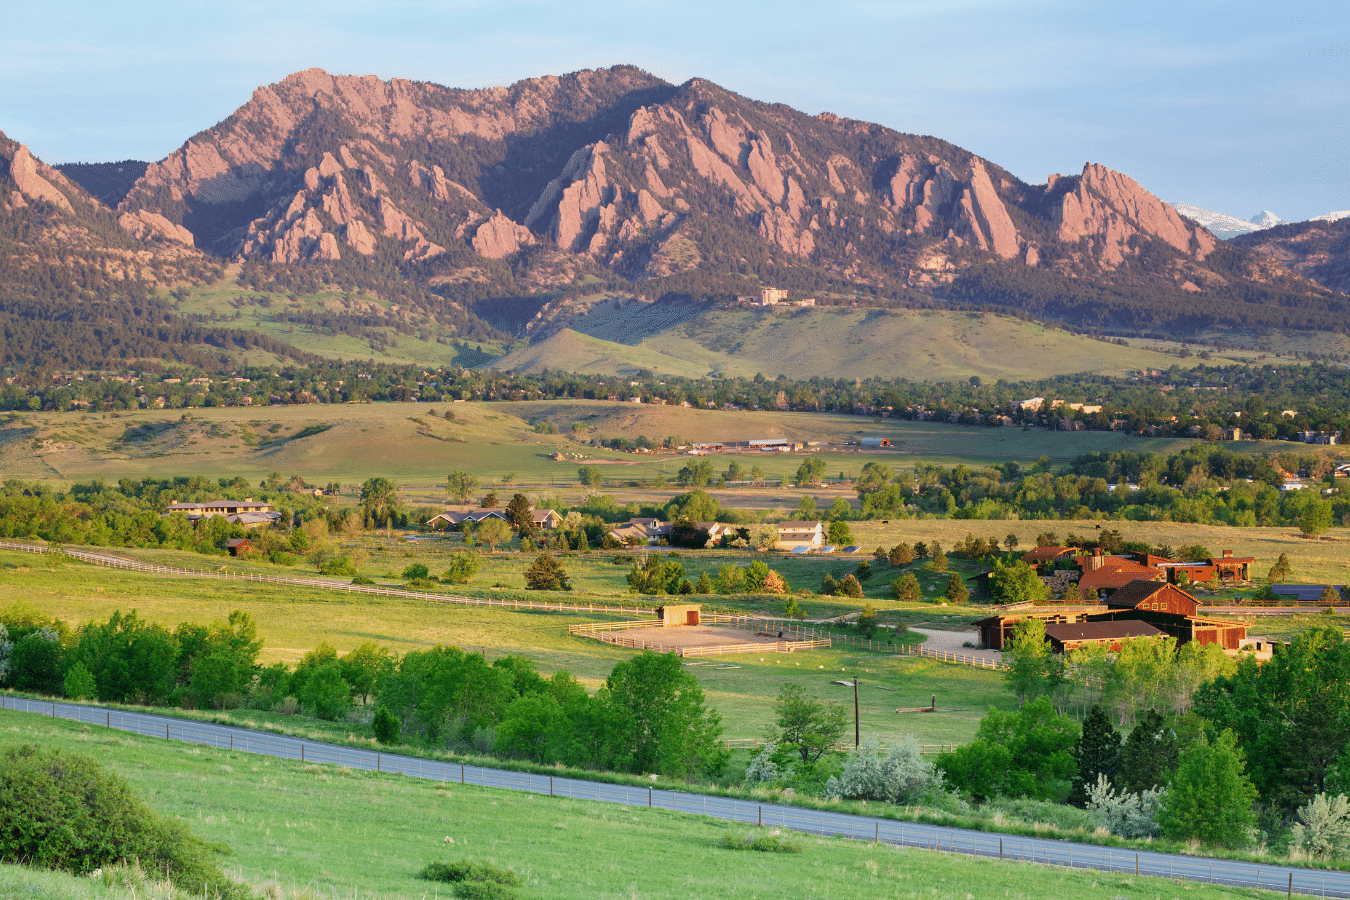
248, 512
453, 518
792, 535
545, 519
641, 531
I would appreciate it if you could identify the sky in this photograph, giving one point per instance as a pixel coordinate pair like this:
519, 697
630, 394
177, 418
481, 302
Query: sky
1232, 106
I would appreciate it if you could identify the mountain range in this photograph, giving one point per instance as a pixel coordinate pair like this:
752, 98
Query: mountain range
1224, 226
501, 214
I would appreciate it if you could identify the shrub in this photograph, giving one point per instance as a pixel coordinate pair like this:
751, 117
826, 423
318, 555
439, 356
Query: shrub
386, 726
901, 776
1323, 828
80, 682
463, 566
770, 840
63, 811
546, 574
474, 881
763, 769
337, 567
361, 579
1127, 815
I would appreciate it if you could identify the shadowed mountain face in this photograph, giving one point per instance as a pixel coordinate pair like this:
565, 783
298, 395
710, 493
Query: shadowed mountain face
1316, 249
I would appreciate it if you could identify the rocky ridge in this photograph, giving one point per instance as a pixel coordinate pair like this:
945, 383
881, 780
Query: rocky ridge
627, 173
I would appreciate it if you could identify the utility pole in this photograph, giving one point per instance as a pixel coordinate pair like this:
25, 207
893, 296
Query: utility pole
857, 728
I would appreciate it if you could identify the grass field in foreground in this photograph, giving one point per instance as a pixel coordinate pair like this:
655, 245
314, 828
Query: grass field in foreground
314, 831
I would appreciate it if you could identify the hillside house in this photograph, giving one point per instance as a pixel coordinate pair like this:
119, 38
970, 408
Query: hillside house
249, 513
791, 535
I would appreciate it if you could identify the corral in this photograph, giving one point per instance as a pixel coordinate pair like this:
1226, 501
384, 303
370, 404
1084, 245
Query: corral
699, 640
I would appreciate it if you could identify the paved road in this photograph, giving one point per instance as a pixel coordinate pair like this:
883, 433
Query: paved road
1060, 853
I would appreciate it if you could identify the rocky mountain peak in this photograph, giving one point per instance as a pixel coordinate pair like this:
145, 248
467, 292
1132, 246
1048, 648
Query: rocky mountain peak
1107, 209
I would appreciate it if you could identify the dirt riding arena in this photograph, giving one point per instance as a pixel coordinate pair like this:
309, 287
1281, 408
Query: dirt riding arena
702, 640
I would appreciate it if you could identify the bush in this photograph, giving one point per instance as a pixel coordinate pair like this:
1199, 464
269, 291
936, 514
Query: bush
463, 566
474, 881
901, 776
763, 769
63, 811
337, 567
1131, 816
386, 726
770, 840
1323, 828
361, 579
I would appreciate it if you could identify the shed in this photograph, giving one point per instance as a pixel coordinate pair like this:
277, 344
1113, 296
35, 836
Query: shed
673, 615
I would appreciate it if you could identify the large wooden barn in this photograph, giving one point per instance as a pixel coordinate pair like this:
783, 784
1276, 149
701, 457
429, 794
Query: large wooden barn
1163, 608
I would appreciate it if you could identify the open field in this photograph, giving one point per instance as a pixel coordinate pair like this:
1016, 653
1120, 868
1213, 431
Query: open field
226, 304
404, 441
833, 342
319, 831
293, 620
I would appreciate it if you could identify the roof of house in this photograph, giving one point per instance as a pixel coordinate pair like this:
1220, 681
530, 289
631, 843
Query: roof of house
1101, 631
1045, 554
1136, 592
1117, 575
798, 526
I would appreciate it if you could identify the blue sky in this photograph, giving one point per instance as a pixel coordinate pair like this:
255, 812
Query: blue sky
1232, 106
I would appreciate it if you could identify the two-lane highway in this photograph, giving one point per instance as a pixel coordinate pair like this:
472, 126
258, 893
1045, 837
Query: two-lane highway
956, 840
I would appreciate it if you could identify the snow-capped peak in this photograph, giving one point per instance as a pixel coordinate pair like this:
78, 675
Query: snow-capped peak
1265, 219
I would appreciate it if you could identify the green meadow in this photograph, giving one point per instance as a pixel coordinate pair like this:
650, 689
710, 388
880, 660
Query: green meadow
742, 687
495, 441
302, 831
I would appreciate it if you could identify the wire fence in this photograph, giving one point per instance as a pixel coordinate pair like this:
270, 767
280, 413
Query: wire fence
938, 839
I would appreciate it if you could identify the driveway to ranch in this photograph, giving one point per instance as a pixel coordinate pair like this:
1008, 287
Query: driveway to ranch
951, 642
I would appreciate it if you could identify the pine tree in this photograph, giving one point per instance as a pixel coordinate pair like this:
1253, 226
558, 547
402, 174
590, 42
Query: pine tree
1097, 753
1210, 797
704, 585
867, 620
957, 592
546, 574
1148, 756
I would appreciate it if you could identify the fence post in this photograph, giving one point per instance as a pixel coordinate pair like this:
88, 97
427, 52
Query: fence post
649, 796
461, 773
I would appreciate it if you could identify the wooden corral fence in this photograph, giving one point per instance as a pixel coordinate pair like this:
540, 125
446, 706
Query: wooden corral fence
117, 562
590, 628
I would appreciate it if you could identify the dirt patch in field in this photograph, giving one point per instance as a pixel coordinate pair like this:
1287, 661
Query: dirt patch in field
686, 636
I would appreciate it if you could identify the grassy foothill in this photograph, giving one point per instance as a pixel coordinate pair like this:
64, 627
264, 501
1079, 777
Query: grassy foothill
302, 831
493, 440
